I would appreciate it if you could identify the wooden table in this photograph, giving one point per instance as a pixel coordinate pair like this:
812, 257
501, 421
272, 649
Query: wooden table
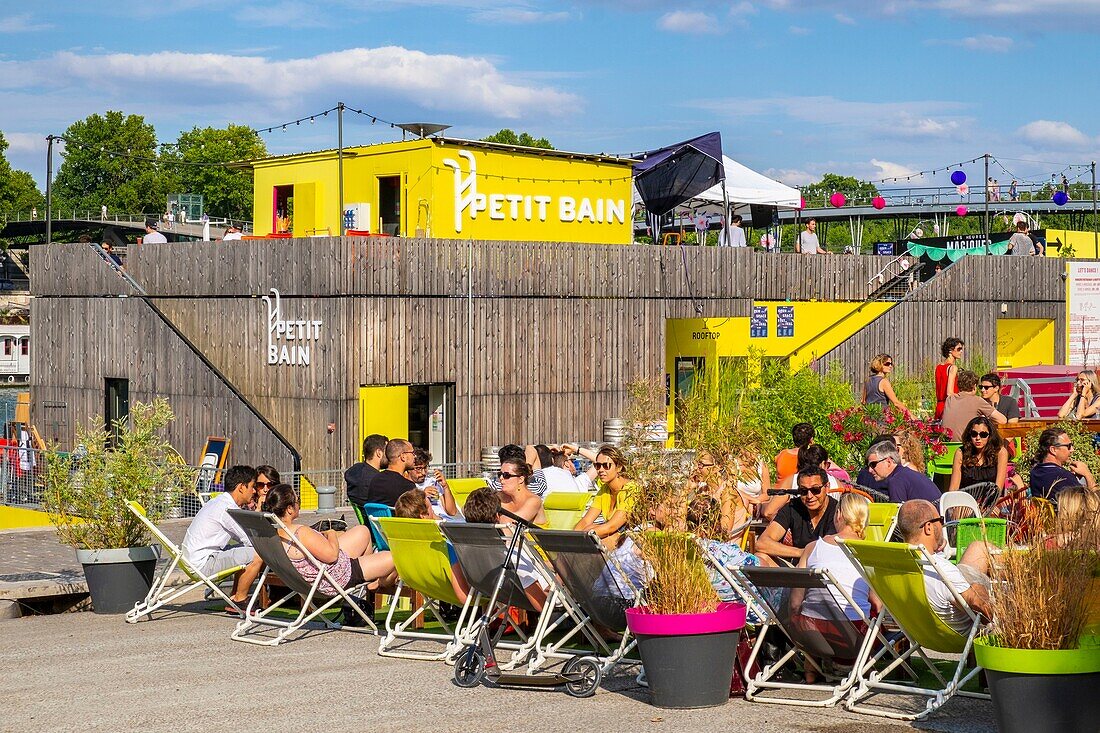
1022, 428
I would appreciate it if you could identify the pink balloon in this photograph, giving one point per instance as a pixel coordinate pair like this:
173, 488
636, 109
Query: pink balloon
837, 200
963, 189
878, 202
962, 211
802, 203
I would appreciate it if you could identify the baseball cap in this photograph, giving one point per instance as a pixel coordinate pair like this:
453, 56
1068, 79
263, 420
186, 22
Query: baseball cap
150, 223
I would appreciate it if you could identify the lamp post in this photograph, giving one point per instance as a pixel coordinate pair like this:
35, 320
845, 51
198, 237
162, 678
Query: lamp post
49, 187
340, 164
988, 193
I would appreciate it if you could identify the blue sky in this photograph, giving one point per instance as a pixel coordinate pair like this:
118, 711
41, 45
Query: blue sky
797, 88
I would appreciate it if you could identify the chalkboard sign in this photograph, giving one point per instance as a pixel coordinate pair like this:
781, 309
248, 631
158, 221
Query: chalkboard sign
758, 324
784, 321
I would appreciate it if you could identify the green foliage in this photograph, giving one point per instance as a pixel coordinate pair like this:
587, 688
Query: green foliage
226, 192
90, 177
1079, 435
85, 495
857, 191
18, 191
509, 137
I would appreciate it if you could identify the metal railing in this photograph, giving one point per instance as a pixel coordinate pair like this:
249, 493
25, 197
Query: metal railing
134, 219
935, 195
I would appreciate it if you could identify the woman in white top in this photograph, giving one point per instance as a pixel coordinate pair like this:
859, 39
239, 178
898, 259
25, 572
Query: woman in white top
812, 608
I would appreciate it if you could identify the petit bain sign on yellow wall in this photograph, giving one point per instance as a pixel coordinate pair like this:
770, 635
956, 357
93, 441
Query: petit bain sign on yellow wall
450, 189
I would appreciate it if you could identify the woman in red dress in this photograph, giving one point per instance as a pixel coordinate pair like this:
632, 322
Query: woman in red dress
952, 351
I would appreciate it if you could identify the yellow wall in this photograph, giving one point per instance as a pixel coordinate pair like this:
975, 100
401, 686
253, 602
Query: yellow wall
1024, 342
513, 195
14, 518
1083, 243
818, 329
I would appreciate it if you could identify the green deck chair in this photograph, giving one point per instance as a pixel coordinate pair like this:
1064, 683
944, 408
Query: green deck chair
423, 565
461, 488
160, 594
895, 571
882, 517
565, 508
943, 465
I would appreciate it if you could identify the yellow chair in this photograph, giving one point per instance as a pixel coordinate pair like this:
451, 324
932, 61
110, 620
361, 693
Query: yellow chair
461, 488
565, 508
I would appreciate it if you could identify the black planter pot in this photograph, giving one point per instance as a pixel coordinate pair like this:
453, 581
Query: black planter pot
118, 579
688, 659
1038, 690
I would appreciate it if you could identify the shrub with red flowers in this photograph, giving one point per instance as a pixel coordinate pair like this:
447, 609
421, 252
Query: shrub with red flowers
857, 426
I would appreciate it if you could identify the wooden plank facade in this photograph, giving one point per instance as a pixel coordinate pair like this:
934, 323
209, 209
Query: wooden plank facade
537, 339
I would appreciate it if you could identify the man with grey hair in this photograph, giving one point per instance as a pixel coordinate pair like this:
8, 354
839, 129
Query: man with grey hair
902, 483
391, 483
920, 523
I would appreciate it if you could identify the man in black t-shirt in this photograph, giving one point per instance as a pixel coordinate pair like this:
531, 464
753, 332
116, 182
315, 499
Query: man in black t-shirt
989, 389
360, 475
391, 483
811, 517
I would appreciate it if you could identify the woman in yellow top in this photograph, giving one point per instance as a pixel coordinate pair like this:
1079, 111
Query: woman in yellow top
614, 498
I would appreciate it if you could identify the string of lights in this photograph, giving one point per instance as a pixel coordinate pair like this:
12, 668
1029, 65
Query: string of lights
931, 171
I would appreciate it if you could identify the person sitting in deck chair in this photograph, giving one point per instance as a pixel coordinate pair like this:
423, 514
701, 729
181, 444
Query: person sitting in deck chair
920, 523
214, 542
347, 555
414, 504
483, 507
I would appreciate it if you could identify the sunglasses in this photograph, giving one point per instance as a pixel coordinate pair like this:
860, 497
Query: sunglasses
264, 484
888, 363
704, 465
505, 474
933, 520
807, 490
601, 466
1063, 445
872, 464
979, 434
987, 386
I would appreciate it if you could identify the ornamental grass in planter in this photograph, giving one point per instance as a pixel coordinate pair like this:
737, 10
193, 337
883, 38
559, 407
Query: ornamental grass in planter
687, 637
1042, 656
86, 494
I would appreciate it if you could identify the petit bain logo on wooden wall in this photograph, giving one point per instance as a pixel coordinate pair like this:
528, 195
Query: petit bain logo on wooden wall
289, 341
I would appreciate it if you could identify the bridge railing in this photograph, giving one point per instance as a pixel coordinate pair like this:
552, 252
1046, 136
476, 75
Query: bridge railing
132, 219
934, 195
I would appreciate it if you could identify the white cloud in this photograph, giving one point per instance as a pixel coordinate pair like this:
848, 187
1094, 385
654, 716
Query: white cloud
21, 23
1051, 135
792, 176
518, 16
984, 42
797, 30
689, 21
25, 142
844, 19
430, 81
886, 169
908, 126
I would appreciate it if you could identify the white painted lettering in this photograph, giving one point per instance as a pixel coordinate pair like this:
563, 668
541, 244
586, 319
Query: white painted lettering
567, 208
616, 211
272, 354
513, 199
542, 201
584, 211
496, 206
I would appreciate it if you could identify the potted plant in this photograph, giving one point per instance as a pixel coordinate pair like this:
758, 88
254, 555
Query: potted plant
687, 638
1041, 657
86, 494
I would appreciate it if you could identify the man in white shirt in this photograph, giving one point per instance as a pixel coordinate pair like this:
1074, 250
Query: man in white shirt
231, 232
807, 240
215, 542
734, 235
152, 236
920, 523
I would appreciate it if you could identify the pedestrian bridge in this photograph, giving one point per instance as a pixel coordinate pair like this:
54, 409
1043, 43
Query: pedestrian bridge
30, 229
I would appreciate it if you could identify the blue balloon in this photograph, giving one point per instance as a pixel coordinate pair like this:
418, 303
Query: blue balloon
1060, 198
958, 178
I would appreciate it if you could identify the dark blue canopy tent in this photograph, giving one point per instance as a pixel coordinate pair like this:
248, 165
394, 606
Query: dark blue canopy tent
667, 177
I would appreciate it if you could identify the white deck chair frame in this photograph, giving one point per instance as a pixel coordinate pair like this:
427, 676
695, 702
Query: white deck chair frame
398, 635
874, 681
545, 650
277, 562
865, 659
161, 593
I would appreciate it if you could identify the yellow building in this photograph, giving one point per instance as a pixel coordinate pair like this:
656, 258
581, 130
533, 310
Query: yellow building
446, 188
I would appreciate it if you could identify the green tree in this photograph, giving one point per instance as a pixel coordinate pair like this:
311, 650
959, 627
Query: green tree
857, 191
509, 137
112, 159
18, 191
226, 191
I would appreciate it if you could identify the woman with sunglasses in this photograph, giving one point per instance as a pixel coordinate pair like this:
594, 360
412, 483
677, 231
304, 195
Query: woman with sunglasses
614, 498
983, 457
877, 390
1084, 401
947, 371
267, 478
514, 494
735, 489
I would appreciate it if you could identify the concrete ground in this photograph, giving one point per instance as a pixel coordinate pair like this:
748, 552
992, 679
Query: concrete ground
182, 672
